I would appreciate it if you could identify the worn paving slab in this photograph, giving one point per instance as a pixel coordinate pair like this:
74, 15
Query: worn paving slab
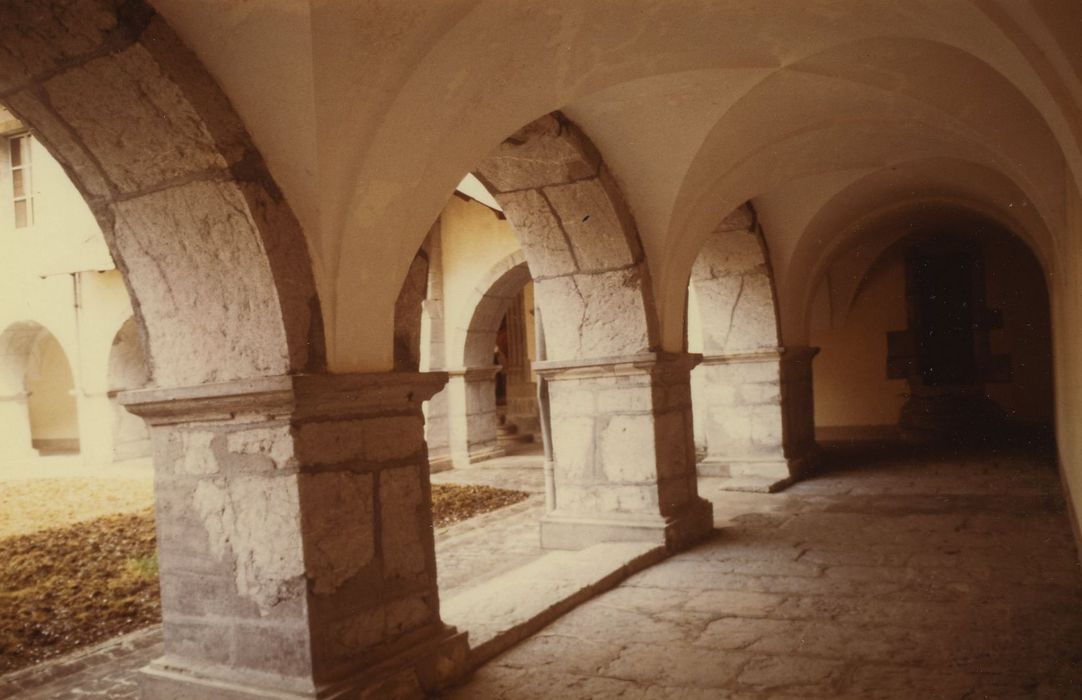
894, 575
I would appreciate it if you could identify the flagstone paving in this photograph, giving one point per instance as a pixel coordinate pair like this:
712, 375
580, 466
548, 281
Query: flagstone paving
894, 574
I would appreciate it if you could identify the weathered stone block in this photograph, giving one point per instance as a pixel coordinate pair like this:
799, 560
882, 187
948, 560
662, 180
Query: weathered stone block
55, 34
254, 523
546, 151
592, 224
403, 522
140, 150
339, 527
274, 444
228, 326
610, 305
330, 442
540, 233
277, 648
392, 437
573, 442
628, 451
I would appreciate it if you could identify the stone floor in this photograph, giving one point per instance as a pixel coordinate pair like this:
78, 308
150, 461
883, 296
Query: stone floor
893, 574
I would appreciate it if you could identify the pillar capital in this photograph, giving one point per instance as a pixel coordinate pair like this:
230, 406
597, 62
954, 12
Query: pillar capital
790, 353
475, 374
617, 366
299, 395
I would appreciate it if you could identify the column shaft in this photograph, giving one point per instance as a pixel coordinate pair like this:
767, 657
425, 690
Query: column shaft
295, 539
623, 452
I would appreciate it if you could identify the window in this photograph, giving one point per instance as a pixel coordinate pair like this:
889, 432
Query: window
21, 189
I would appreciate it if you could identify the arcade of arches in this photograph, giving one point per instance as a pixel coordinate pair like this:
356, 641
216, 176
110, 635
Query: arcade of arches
359, 240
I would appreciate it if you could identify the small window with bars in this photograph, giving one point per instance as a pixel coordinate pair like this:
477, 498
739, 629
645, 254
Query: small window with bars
22, 197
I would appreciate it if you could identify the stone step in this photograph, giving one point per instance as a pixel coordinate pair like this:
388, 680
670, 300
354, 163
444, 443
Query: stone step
515, 438
753, 484
508, 608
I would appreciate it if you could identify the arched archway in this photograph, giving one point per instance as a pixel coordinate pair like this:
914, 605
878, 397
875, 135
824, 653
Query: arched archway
39, 412
753, 396
267, 496
621, 424
128, 370
471, 390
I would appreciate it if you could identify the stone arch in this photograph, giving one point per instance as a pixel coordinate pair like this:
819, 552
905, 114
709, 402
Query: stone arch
127, 370
613, 477
38, 409
752, 401
734, 285
488, 303
579, 238
471, 390
214, 259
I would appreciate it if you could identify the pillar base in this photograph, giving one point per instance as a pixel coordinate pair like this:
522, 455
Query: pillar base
414, 673
763, 475
675, 532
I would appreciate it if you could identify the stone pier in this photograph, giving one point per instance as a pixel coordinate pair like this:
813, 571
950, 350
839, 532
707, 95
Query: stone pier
758, 415
623, 451
295, 539
471, 398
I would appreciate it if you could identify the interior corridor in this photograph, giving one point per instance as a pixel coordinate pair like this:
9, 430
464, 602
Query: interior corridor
897, 573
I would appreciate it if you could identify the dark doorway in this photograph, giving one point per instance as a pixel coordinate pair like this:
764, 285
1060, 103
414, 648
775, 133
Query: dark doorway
944, 291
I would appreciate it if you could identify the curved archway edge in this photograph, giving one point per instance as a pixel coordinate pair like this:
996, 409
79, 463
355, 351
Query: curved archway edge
213, 257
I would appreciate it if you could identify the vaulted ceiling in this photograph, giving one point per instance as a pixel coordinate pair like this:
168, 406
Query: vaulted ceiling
826, 114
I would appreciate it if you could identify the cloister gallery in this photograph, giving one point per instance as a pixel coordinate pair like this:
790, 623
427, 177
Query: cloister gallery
671, 241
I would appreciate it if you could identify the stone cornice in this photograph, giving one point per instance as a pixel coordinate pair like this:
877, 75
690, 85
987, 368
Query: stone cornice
619, 365
792, 353
294, 396
475, 374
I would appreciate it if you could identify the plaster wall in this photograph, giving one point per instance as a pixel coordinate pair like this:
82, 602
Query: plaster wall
474, 240
51, 389
850, 373
1067, 308
57, 273
851, 386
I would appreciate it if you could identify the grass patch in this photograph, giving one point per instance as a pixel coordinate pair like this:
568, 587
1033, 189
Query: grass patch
452, 503
67, 587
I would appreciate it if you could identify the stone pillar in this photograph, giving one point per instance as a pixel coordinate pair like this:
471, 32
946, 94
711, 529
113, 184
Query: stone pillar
521, 391
623, 452
295, 539
798, 407
434, 354
438, 432
437, 410
96, 428
471, 398
131, 439
759, 417
15, 427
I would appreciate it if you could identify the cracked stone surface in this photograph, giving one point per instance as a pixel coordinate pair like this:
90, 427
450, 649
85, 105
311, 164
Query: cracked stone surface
892, 575
947, 576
